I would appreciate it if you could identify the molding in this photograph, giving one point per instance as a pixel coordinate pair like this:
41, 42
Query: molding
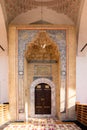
42, 27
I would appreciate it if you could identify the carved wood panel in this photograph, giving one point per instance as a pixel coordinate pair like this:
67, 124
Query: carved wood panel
42, 99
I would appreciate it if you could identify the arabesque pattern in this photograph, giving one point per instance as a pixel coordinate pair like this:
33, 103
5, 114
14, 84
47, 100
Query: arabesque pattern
67, 7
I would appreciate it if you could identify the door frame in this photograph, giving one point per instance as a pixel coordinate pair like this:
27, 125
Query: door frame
32, 98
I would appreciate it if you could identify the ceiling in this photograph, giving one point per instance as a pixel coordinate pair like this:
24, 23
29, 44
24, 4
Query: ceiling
70, 8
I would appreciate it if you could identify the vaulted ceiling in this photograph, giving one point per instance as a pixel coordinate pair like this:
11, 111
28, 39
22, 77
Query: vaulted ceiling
70, 8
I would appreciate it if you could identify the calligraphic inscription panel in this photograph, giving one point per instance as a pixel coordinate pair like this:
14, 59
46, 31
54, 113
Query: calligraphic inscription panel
42, 70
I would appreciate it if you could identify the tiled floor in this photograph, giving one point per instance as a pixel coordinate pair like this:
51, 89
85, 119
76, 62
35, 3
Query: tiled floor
60, 125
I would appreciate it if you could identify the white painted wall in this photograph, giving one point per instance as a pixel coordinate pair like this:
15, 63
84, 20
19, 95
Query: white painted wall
82, 36
3, 60
3, 79
81, 60
81, 79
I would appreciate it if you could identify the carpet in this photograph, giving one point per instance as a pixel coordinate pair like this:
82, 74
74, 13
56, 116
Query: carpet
41, 124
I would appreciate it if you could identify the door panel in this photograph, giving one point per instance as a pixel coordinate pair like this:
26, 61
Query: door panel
42, 99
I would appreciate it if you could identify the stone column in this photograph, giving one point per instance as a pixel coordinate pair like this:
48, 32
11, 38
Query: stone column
12, 73
71, 73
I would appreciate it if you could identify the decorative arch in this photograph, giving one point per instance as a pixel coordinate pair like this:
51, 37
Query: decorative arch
32, 97
42, 48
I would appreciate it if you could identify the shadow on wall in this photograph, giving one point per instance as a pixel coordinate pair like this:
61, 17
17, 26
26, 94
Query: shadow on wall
69, 112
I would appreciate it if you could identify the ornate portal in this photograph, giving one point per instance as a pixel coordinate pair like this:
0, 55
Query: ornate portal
45, 58
42, 49
38, 57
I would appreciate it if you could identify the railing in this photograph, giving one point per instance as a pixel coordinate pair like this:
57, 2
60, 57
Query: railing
81, 112
4, 113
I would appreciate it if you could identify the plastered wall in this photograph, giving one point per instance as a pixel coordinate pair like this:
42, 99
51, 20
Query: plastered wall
3, 60
81, 80
81, 59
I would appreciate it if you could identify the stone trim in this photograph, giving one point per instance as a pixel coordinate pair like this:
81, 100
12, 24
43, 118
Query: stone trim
32, 98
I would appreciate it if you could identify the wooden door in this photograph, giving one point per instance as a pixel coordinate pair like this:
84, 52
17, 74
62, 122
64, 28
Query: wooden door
42, 99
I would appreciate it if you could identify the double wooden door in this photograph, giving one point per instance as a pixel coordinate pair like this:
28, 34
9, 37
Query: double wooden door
42, 99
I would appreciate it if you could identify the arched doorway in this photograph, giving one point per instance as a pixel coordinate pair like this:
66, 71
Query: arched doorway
42, 99
43, 83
